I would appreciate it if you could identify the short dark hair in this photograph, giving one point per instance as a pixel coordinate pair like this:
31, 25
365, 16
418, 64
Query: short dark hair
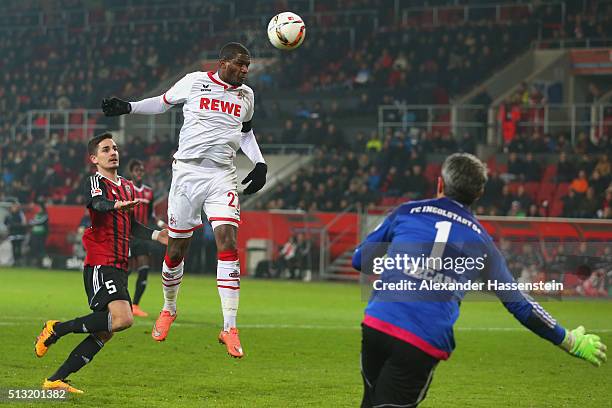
464, 177
133, 163
92, 145
230, 50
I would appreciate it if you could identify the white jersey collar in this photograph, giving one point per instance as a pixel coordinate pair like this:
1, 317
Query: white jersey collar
214, 76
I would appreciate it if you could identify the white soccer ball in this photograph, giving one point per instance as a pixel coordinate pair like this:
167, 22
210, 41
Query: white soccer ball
286, 31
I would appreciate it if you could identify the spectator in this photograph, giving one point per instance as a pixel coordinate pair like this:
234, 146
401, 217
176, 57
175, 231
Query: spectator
532, 170
286, 258
373, 179
304, 260
516, 210
571, 204
504, 201
493, 189
580, 184
606, 207
565, 169
38, 235
598, 182
516, 167
522, 197
533, 211
589, 205
416, 184
603, 166
16, 224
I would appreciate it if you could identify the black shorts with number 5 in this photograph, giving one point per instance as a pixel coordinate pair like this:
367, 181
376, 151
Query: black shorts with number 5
103, 284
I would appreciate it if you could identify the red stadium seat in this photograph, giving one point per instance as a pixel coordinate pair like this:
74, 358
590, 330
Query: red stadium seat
556, 208
432, 171
513, 186
549, 173
561, 191
546, 191
531, 189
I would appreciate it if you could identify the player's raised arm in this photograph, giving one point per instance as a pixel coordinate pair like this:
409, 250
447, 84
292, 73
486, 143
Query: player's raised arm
141, 231
533, 316
151, 106
95, 192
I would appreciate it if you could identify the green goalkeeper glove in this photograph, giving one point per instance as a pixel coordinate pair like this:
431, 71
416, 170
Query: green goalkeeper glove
585, 346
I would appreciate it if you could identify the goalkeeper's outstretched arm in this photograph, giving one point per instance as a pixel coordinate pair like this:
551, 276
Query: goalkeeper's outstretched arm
533, 316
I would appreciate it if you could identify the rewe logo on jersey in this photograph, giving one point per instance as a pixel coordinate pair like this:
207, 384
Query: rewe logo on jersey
220, 106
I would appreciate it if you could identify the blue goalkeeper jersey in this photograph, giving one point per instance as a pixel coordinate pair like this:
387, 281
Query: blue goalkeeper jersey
431, 249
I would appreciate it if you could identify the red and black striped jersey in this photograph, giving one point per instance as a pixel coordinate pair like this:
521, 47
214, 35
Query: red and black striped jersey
106, 241
144, 212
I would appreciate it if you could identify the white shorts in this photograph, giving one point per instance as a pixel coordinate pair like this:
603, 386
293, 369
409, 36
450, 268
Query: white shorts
195, 187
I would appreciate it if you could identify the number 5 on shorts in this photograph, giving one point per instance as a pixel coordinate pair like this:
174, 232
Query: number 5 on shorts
110, 287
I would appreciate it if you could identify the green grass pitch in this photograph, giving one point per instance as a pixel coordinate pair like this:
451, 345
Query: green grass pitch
302, 350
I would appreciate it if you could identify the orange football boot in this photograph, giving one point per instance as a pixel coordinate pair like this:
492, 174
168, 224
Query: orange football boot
162, 325
45, 339
137, 311
60, 385
232, 342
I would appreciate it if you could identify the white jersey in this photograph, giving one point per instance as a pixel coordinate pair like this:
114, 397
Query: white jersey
214, 112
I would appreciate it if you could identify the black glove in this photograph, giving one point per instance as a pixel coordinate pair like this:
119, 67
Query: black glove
257, 177
115, 107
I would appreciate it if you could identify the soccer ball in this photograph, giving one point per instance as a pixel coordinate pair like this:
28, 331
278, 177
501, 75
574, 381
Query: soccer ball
286, 31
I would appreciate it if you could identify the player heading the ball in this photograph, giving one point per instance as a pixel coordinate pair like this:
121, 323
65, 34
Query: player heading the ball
218, 109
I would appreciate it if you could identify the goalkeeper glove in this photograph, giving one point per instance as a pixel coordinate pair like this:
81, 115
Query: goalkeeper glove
115, 107
585, 346
257, 177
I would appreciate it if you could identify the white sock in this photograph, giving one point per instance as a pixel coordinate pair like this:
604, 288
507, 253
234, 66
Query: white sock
228, 284
171, 280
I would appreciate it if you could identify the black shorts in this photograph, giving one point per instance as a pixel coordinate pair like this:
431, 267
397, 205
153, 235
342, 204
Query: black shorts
395, 373
139, 247
103, 284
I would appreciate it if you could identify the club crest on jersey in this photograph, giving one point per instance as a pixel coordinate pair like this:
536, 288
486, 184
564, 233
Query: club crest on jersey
127, 188
220, 106
172, 220
241, 94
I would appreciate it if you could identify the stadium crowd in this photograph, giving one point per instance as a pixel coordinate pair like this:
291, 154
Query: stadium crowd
534, 175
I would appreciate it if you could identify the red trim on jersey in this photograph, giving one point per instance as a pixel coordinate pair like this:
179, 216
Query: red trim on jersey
183, 231
211, 75
211, 219
229, 255
229, 287
406, 336
171, 264
166, 101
